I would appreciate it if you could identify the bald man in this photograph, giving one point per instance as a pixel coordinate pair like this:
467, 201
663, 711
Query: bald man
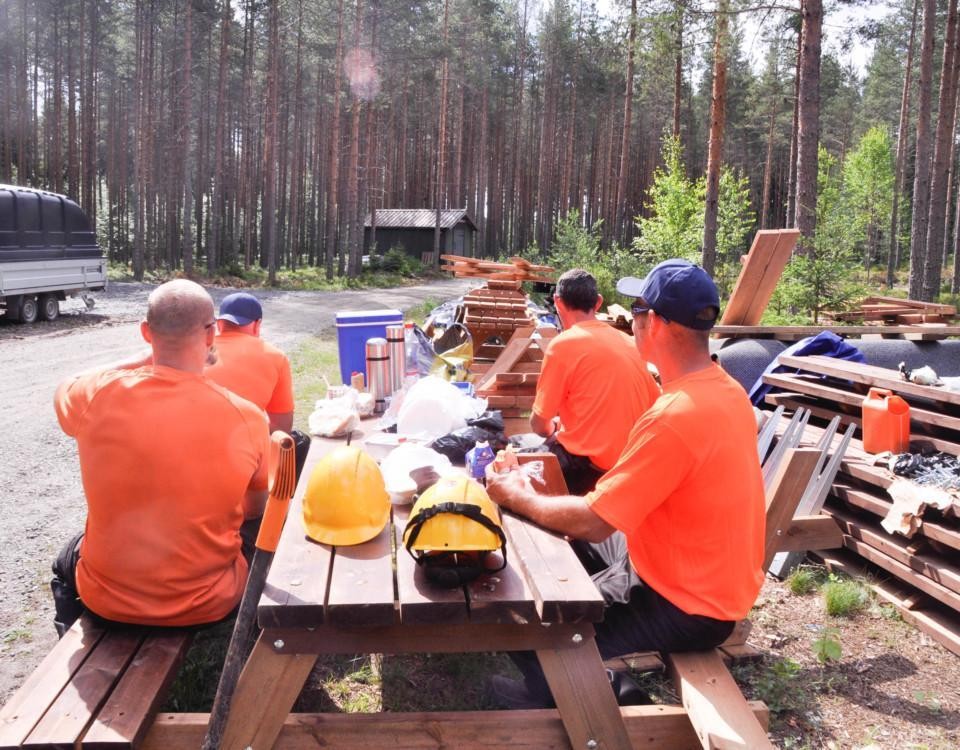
172, 465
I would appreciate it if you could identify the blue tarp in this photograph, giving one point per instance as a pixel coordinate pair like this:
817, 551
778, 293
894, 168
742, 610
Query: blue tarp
825, 343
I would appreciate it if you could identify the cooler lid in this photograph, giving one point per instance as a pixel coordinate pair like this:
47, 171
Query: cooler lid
369, 316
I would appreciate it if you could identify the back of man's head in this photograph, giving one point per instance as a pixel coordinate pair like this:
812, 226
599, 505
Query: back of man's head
178, 308
577, 289
240, 309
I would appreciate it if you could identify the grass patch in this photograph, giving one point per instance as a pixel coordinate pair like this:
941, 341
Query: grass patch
844, 597
315, 359
803, 580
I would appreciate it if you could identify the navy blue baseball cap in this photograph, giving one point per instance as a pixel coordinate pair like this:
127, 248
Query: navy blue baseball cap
240, 308
676, 290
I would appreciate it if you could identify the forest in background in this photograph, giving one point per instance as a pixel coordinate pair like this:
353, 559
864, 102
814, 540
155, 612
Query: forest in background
212, 135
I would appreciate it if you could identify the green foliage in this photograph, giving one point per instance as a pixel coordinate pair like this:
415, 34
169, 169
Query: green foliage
867, 193
844, 597
396, 260
674, 228
777, 686
825, 279
827, 646
802, 581
577, 246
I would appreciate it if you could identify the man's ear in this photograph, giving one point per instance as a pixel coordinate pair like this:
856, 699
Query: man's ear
220, 325
256, 326
596, 308
145, 332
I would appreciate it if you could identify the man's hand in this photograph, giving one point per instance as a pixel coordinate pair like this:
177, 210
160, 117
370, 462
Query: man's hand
504, 489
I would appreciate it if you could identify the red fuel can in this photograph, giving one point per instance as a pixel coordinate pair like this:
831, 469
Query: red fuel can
886, 422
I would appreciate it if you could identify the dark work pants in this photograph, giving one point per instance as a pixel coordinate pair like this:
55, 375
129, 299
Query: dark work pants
66, 600
578, 471
636, 618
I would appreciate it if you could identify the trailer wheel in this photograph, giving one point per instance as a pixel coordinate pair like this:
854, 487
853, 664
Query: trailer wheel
29, 310
49, 307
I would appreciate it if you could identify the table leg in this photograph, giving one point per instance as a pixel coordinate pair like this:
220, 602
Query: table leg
584, 698
265, 693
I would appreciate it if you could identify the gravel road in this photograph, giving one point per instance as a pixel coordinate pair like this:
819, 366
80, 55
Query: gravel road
42, 498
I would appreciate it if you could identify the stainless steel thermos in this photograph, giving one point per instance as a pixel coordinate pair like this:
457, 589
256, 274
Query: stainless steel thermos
397, 353
378, 373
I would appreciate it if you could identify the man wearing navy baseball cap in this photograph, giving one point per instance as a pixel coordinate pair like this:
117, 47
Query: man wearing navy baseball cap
673, 534
250, 367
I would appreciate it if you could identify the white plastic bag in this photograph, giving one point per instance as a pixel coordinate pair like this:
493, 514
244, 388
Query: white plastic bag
407, 457
431, 408
335, 417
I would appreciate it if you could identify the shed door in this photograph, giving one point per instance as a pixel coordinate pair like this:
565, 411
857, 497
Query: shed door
459, 240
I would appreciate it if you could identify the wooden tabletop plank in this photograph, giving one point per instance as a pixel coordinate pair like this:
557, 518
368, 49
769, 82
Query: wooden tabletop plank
420, 601
361, 583
562, 589
75, 707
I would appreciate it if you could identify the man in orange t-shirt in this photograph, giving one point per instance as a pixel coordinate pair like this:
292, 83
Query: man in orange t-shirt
593, 386
172, 464
254, 369
673, 534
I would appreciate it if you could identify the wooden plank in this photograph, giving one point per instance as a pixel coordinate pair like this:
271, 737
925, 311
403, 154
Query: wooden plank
268, 686
649, 727
126, 716
361, 583
73, 710
869, 375
934, 567
26, 707
794, 333
758, 277
552, 481
804, 384
505, 362
419, 601
561, 587
719, 713
793, 475
587, 705
810, 533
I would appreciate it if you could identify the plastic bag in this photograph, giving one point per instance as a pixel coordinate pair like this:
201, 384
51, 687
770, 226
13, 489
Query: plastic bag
431, 408
335, 417
490, 420
408, 457
455, 445
454, 353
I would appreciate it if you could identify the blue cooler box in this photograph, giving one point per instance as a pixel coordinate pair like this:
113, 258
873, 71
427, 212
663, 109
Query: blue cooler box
354, 327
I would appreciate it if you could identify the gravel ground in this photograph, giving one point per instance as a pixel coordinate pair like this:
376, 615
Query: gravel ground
42, 498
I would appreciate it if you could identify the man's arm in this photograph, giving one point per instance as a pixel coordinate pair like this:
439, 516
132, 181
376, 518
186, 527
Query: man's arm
569, 514
543, 426
254, 503
282, 421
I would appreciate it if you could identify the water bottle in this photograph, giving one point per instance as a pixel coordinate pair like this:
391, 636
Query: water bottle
478, 458
410, 345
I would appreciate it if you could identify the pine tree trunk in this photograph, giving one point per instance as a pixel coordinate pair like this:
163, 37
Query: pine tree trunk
893, 256
790, 218
214, 251
333, 188
681, 7
921, 176
768, 162
808, 123
269, 144
718, 105
619, 219
186, 247
441, 139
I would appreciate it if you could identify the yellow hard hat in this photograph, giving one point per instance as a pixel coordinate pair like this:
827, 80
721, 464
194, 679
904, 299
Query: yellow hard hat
345, 501
452, 528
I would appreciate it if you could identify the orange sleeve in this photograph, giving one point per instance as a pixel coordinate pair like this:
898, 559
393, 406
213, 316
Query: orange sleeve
261, 436
73, 397
281, 401
551, 383
653, 464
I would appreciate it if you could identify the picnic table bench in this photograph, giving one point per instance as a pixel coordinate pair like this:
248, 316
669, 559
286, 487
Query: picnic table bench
98, 688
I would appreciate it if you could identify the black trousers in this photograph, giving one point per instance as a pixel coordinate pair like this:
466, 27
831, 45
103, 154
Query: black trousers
578, 471
66, 600
636, 618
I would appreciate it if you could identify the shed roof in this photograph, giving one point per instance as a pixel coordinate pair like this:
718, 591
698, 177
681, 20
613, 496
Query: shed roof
419, 218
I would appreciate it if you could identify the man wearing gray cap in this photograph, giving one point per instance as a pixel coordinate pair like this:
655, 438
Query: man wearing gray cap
673, 534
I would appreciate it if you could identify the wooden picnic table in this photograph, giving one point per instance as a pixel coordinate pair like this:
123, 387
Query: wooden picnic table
373, 598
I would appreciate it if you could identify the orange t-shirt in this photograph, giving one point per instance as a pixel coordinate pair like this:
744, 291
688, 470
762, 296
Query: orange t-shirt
595, 379
250, 367
166, 459
688, 494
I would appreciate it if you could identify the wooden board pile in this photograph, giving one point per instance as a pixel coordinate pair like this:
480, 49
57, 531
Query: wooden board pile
494, 311
894, 311
923, 563
516, 269
510, 382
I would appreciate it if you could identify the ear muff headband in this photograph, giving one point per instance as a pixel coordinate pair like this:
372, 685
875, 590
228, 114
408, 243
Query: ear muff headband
464, 509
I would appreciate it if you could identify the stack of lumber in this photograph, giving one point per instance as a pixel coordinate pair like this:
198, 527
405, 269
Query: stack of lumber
494, 311
922, 570
894, 311
515, 269
510, 382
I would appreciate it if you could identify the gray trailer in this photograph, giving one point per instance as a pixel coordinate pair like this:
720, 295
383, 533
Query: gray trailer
48, 251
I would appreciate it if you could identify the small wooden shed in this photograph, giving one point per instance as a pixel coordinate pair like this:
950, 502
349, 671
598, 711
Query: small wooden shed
413, 228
